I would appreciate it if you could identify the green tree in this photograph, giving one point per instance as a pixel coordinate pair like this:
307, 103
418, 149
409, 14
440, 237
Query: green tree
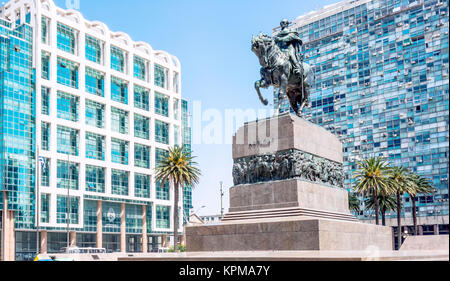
400, 180
421, 185
386, 203
371, 179
178, 168
353, 202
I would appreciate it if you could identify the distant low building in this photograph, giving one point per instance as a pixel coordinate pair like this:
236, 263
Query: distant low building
211, 219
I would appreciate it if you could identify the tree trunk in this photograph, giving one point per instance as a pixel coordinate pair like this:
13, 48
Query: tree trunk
175, 217
375, 201
414, 213
383, 217
399, 219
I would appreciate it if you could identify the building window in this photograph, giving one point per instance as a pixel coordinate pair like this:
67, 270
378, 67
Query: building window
90, 224
62, 210
67, 106
161, 132
88, 240
140, 69
133, 218
45, 100
161, 104
45, 174
176, 82
176, 135
119, 151
185, 129
160, 154
95, 146
117, 59
67, 73
119, 120
141, 156
142, 185
161, 74
45, 60
67, 141
45, 135
163, 191
176, 109
141, 98
93, 49
95, 114
119, 182
95, 82
45, 208
66, 38
141, 127
45, 22
95, 179
56, 241
149, 221
67, 175
119, 90
162, 217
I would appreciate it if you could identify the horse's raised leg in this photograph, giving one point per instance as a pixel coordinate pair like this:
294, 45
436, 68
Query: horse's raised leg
258, 85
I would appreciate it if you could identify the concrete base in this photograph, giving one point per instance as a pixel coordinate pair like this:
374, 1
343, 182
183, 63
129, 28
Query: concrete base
289, 234
426, 243
278, 256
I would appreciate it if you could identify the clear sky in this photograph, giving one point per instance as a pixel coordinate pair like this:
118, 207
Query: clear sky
212, 40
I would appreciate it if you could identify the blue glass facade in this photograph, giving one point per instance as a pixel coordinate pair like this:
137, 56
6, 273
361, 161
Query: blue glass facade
381, 84
187, 145
17, 122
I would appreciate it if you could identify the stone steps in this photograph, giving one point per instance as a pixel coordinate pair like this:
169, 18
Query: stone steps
286, 212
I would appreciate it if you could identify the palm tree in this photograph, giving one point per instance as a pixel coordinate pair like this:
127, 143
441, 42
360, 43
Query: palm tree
399, 178
420, 185
177, 167
371, 179
386, 203
353, 202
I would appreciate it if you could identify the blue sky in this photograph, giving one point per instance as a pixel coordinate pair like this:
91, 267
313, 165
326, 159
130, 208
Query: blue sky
212, 39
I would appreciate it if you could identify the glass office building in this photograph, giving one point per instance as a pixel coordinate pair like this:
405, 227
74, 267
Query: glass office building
17, 125
102, 109
187, 145
380, 83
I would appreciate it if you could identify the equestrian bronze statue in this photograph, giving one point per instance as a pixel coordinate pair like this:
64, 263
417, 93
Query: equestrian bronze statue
283, 67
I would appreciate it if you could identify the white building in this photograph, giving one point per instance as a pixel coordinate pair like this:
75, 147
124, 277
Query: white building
110, 106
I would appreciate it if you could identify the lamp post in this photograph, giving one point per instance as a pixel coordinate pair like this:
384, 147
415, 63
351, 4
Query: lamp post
221, 200
199, 209
68, 203
5, 204
37, 199
405, 235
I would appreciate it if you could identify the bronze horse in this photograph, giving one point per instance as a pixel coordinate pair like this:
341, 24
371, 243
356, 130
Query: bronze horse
277, 71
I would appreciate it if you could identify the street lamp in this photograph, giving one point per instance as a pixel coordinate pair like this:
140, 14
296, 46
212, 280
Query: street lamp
405, 235
195, 212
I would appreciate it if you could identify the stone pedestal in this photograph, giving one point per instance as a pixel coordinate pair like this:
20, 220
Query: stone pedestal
288, 195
